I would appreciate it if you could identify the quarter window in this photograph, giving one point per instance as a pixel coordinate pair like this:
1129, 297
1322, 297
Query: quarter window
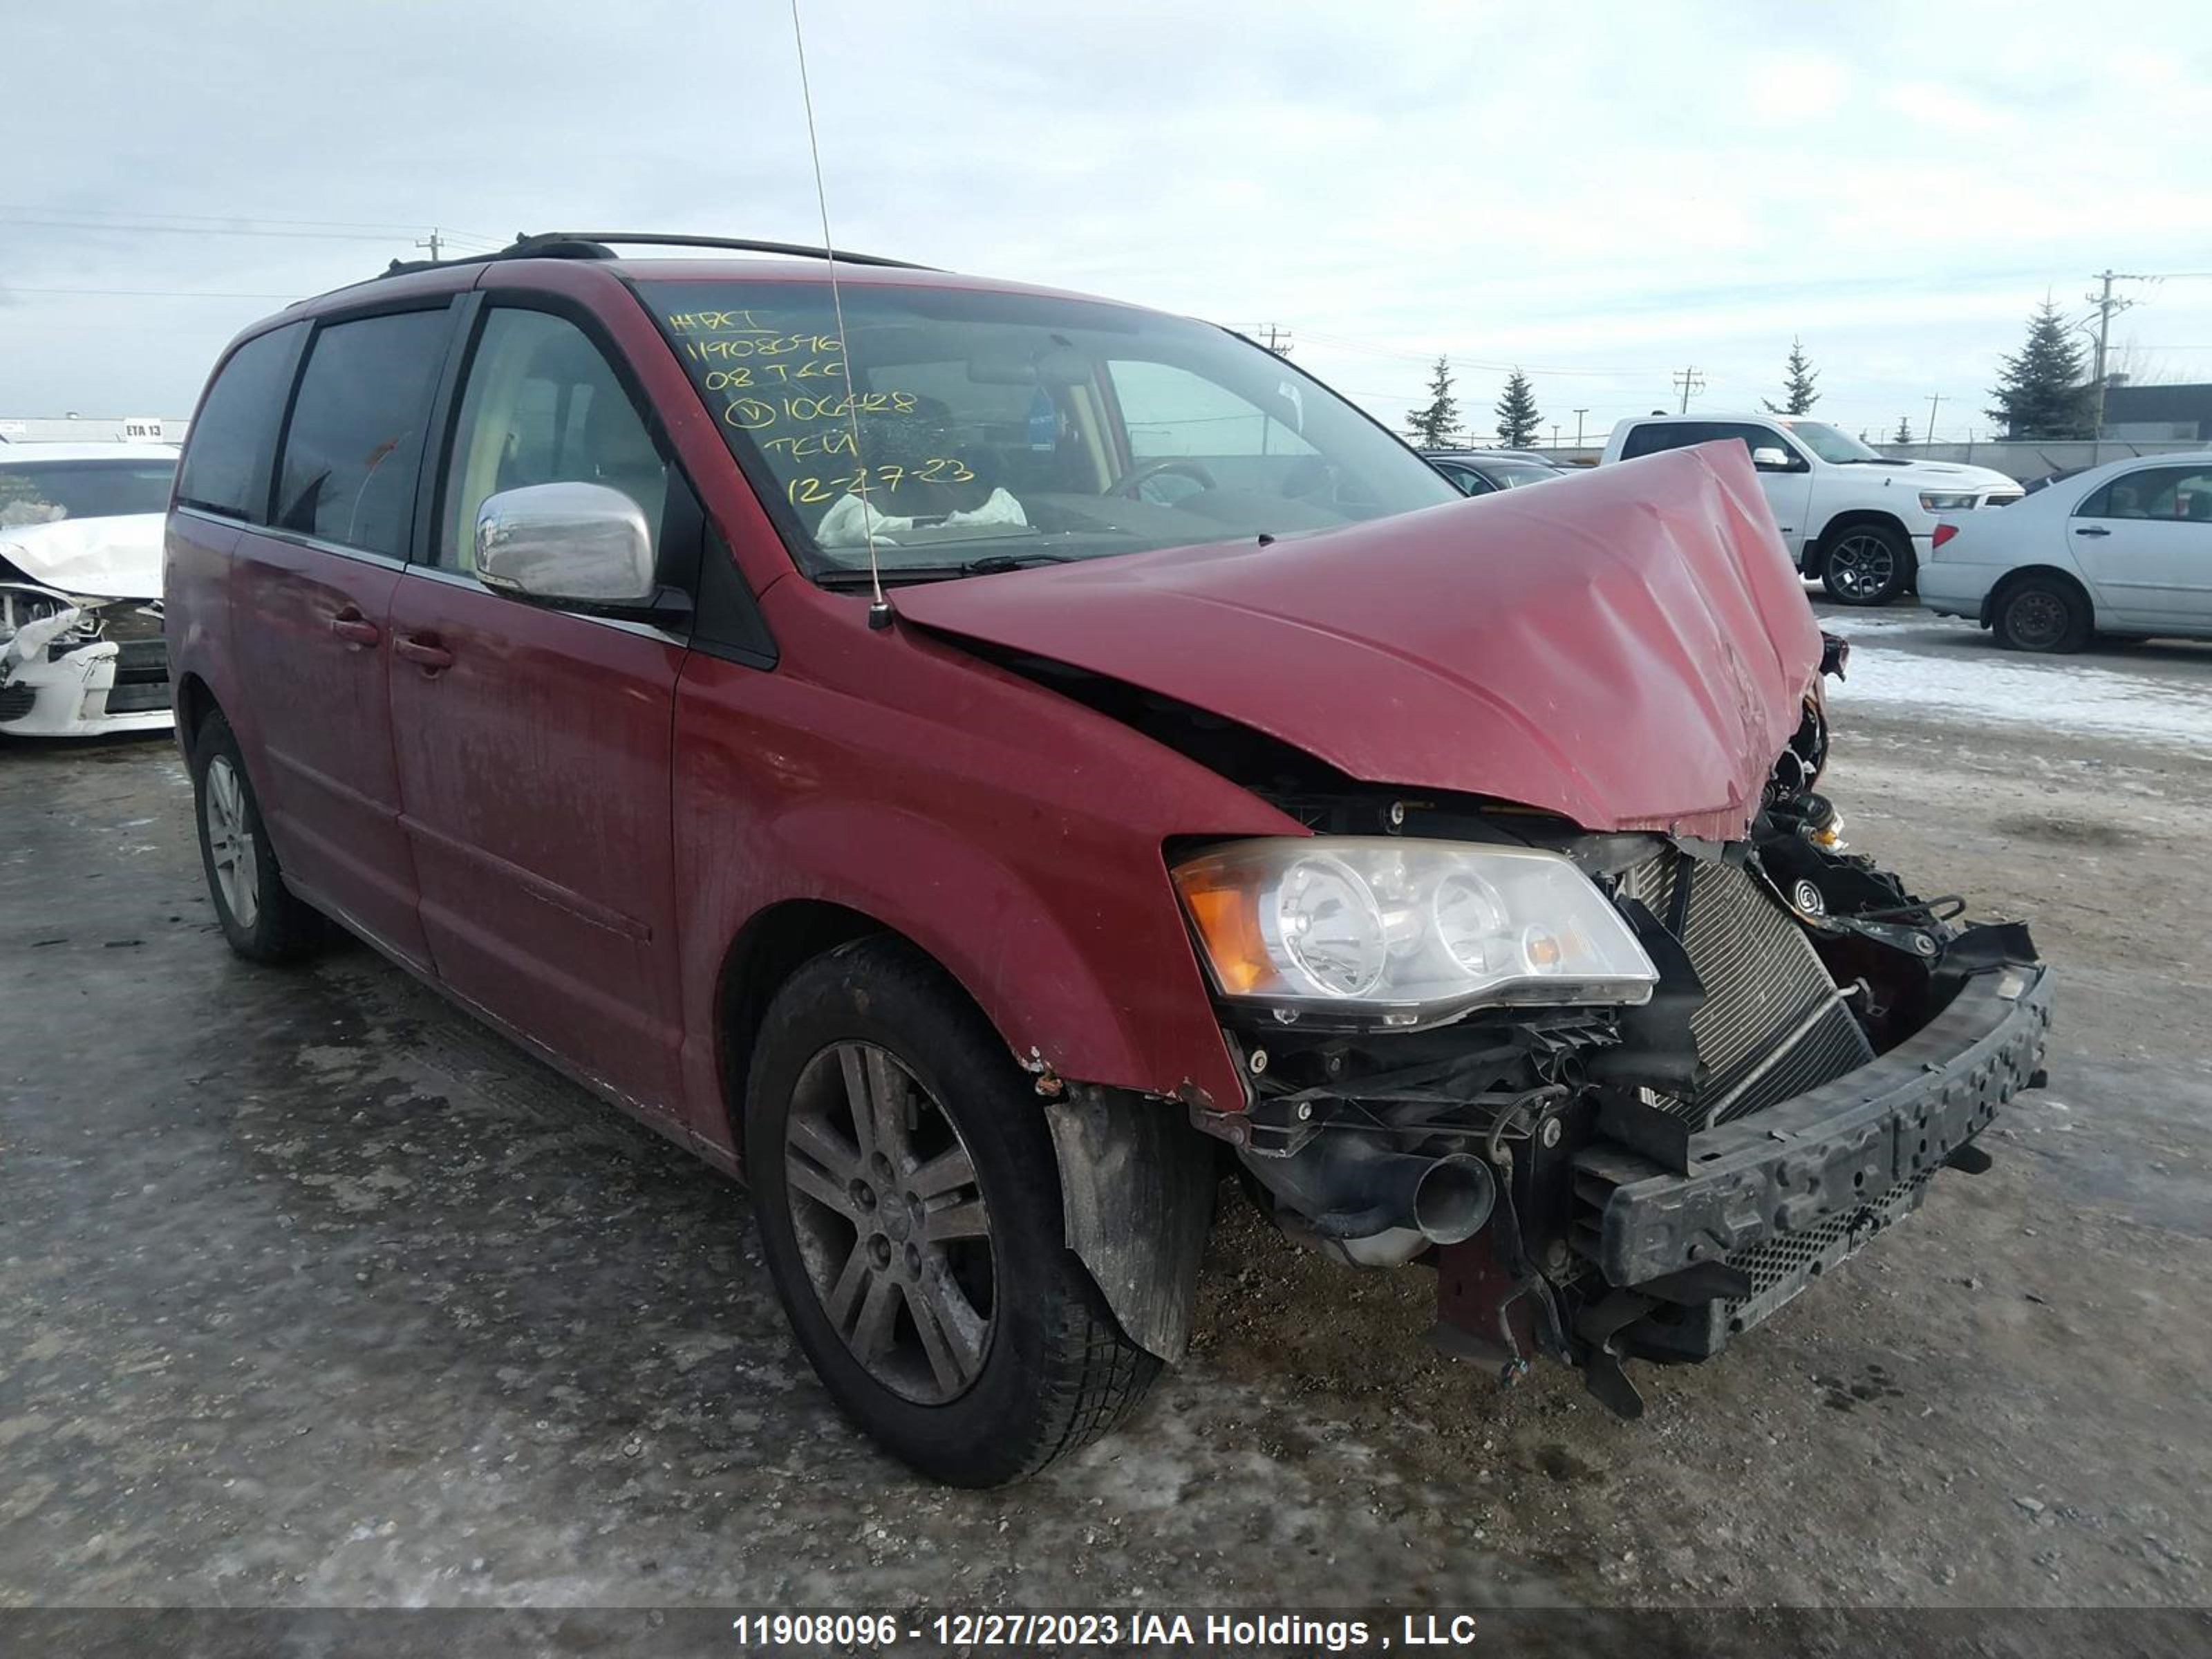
542, 406
353, 452
227, 454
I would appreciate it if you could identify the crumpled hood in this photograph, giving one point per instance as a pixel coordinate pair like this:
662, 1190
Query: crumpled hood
1629, 648
116, 558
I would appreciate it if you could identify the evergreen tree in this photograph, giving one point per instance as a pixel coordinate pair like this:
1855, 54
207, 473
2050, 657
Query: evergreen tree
2042, 392
1516, 413
1436, 425
1798, 375
1904, 433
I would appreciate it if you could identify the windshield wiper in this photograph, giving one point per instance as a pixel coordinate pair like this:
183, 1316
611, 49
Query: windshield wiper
991, 564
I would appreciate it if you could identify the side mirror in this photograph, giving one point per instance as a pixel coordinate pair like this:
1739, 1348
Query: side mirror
1767, 458
580, 544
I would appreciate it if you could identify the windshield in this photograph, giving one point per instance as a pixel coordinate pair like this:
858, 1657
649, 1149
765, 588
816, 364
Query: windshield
1010, 428
45, 492
1835, 447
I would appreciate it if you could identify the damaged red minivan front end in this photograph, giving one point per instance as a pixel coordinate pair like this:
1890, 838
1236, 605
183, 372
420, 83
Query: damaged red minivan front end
985, 764
1572, 988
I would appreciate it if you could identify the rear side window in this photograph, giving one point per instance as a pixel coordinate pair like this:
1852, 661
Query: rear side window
354, 449
227, 455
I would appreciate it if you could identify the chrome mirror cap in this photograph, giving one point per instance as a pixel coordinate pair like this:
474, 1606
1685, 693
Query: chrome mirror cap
566, 544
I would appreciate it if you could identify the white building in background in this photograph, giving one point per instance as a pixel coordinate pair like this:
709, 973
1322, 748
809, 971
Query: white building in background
92, 428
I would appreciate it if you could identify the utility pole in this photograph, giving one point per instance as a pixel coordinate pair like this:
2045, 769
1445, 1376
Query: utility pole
1555, 434
431, 242
1929, 436
1277, 340
1578, 427
1687, 380
2106, 305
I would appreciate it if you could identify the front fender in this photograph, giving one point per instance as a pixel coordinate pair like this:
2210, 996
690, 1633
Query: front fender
1025, 944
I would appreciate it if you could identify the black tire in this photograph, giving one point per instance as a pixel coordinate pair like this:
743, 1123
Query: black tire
281, 927
1866, 564
2041, 614
1055, 1370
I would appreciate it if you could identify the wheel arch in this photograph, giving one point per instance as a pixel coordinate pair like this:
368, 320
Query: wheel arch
770, 948
2002, 587
1854, 516
194, 702
1136, 1180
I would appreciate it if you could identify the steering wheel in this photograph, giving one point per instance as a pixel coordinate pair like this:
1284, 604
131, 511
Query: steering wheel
1130, 484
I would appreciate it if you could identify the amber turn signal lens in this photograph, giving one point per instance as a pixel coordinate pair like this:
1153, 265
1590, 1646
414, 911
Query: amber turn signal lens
1228, 920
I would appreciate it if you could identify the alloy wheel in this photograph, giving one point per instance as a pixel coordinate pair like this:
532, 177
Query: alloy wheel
230, 843
891, 1221
1862, 567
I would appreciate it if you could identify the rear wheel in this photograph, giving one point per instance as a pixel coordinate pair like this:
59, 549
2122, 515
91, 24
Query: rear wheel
2040, 613
1866, 564
260, 918
909, 1209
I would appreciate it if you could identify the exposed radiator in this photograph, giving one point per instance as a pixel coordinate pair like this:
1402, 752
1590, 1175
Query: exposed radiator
1765, 988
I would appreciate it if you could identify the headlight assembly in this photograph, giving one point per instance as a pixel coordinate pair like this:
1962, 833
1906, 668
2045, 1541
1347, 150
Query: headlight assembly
1389, 932
1946, 503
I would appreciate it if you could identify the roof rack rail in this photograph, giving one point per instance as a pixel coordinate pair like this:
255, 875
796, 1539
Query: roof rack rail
601, 244
598, 244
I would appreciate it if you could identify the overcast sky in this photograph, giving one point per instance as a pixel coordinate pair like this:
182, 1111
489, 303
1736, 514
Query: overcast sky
1600, 192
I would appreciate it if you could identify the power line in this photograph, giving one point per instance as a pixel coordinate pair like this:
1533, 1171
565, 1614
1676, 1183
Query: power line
147, 293
222, 220
203, 230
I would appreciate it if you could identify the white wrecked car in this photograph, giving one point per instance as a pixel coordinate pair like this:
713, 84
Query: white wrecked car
81, 645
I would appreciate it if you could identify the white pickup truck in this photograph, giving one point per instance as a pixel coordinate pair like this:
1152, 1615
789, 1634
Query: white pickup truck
1858, 519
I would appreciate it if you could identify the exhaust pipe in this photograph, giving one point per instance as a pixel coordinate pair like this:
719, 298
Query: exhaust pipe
1349, 1188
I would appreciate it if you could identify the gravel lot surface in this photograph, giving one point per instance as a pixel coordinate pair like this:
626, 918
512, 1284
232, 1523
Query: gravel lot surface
313, 1294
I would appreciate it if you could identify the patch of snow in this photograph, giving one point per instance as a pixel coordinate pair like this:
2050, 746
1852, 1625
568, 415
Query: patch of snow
2054, 694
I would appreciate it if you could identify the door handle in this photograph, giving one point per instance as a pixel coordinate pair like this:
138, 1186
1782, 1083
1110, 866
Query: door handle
424, 651
355, 629
2091, 529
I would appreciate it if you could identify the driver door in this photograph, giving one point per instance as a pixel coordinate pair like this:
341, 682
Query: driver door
1788, 489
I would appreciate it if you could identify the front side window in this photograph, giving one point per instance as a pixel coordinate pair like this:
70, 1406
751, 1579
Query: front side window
233, 438
995, 426
1837, 448
2175, 494
46, 492
353, 451
542, 406
1752, 437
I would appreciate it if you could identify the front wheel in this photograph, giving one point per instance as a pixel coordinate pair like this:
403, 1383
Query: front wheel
1866, 564
909, 1210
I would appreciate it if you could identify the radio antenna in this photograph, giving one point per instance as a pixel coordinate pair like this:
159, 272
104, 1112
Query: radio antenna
880, 608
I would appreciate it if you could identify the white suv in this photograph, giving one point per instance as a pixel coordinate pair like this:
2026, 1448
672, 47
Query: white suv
1859, 520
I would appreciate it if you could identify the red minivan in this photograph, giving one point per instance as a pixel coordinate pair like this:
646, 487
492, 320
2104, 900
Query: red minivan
986, 763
